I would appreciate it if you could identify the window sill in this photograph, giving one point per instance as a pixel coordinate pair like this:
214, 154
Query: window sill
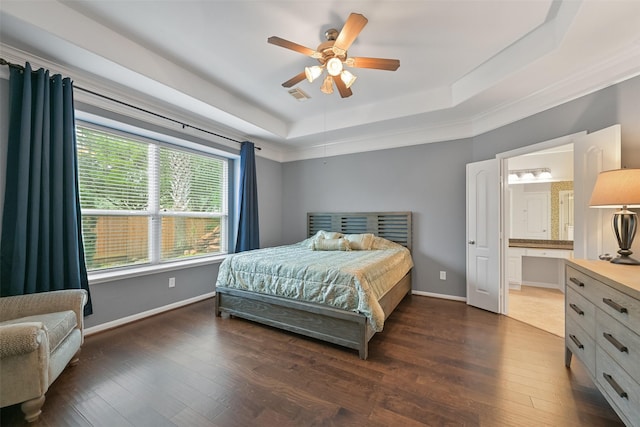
111, 276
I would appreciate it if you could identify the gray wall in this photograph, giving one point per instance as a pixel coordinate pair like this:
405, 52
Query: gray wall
430, 179
270, 198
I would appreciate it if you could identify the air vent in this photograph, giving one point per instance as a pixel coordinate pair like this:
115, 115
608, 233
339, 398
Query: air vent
299, 94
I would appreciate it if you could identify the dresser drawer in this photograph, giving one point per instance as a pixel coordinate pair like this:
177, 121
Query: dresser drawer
580, 310
581, 344
622, 344
621, 390
621, 307
581, 283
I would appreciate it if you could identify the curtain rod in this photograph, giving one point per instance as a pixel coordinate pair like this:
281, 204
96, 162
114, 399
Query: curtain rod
184, 125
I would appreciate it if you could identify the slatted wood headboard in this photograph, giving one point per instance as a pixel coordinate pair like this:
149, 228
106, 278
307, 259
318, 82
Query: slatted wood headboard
394, 226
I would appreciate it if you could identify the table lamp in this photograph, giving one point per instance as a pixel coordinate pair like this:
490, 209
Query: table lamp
615, 188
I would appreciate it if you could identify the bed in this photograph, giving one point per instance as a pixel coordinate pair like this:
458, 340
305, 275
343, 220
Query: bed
254, 290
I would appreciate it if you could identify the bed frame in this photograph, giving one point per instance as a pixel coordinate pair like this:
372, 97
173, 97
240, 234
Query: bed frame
345, 328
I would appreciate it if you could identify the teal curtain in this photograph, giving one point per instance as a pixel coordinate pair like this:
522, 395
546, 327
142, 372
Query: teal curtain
248, 231
41, 246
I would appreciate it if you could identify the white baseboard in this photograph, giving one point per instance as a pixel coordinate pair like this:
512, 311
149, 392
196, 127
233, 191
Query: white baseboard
123, 321
441, 296
543, 285
138, 316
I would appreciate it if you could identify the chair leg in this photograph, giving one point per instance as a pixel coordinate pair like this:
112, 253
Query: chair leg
31, 408
75, 359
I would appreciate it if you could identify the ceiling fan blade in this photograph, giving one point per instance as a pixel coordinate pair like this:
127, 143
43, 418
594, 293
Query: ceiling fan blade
295, 80
377, 63
355, 23
293, 46
345, 92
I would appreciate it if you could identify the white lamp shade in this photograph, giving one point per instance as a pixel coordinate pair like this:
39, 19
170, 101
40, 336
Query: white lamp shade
334, 66
616, 188
348, 78
327, 85
312, 73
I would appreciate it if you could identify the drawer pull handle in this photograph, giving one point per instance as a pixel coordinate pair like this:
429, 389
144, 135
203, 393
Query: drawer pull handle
576, 281
617, 307
576, 309
615, 386
617, 344
576, 341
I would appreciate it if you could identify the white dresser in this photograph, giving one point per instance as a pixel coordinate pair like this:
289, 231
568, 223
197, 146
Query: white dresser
602, 329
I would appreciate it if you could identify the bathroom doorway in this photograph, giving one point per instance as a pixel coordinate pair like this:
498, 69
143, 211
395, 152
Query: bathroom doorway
540, 213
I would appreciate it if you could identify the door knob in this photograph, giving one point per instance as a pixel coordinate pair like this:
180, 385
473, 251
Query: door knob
472, 242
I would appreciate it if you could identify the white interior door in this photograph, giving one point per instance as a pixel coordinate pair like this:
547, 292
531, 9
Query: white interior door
483, 235
537, 215
593, 153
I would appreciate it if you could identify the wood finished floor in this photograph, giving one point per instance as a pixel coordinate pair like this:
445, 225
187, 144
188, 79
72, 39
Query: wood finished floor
539, 307
436, 363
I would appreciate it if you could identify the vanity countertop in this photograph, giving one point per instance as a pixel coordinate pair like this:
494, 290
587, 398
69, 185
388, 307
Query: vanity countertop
541, 244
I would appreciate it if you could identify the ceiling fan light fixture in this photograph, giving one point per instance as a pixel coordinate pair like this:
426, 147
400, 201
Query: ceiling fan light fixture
348, 78
334, 66
312, 73
327, 85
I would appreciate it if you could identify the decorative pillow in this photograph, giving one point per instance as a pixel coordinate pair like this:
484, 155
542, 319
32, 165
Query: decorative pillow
329, 234
340, 244
323, 235
360, 242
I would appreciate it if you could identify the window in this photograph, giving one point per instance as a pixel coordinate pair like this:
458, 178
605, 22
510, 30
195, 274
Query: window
145, 202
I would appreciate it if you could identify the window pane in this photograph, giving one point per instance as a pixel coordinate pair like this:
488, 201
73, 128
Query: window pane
179, 194
187, 236
112, 241
191, 183
113, 171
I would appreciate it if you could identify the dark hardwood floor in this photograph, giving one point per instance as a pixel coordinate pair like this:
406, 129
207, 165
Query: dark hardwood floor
436, 363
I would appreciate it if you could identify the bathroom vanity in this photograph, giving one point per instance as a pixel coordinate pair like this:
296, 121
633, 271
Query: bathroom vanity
522, 249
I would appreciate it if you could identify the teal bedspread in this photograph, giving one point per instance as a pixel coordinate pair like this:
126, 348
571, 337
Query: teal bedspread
349, 280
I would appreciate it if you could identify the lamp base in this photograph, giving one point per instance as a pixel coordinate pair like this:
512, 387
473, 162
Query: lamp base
625, 223
625, 260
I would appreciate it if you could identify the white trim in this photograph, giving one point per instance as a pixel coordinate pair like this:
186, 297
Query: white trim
127, 273
138, 316
441, 296
556, 286
539, 146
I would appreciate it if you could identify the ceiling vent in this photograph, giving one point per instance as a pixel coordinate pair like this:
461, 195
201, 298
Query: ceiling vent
299, 94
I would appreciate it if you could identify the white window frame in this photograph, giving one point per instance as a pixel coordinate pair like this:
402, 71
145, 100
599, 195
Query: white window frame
155, 140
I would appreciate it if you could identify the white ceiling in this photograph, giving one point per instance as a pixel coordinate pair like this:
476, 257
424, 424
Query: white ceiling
466, 67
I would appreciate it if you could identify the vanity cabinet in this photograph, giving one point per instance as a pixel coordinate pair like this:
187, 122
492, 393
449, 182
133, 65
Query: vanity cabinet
514, 263
602, 329
514, 267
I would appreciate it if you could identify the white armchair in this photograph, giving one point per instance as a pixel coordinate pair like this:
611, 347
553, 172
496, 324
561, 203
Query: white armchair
40, 334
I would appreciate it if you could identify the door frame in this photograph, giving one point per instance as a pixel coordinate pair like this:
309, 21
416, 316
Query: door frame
503, 158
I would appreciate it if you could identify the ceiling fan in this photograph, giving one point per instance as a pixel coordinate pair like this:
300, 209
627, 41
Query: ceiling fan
332, 56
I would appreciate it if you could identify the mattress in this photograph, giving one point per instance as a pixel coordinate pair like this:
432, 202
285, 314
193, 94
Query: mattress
349, 280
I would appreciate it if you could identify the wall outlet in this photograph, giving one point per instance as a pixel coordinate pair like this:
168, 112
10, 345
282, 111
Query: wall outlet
172, 282
443, 275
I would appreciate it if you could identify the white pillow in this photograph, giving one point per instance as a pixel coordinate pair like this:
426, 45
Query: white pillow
330, 234
321, 244
360, 242
323, 235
